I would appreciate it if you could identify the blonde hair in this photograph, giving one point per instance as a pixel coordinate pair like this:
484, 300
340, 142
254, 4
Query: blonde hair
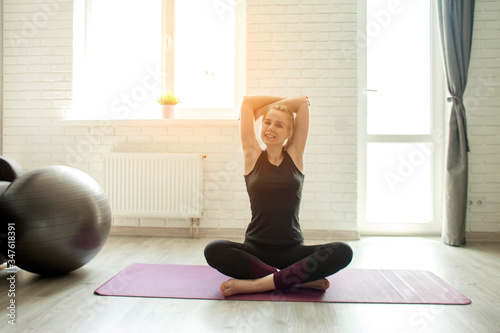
285, 110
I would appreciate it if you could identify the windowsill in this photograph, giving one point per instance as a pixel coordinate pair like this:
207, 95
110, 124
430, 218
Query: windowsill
146, 122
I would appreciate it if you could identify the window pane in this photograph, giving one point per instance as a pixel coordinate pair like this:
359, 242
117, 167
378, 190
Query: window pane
399, 182
204, 55
398, 39
122, 76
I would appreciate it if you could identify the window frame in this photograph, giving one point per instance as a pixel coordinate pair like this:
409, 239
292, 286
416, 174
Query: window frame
81, 27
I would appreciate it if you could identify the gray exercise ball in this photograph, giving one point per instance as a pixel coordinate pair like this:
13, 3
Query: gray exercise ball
61, 216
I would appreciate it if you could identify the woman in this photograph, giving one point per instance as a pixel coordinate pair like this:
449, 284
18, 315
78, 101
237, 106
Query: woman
273, 255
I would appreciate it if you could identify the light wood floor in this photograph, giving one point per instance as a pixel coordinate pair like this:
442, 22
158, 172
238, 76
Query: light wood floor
67, 304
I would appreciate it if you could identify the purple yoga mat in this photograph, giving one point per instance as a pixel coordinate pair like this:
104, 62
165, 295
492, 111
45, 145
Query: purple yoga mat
347, 286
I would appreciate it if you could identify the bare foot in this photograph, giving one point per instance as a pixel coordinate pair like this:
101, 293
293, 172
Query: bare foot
321, 284
235, 286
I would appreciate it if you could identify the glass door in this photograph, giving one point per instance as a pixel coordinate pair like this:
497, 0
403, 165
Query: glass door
401, 131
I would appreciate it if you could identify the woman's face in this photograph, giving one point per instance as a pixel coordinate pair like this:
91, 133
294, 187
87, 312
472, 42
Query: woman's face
275, 128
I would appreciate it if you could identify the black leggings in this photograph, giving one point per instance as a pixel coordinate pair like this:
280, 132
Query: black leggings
291, 265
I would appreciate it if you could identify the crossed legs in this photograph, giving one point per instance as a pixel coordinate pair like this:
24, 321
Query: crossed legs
258, 269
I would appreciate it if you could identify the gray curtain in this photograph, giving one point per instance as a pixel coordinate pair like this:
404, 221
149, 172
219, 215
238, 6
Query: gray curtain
456, 19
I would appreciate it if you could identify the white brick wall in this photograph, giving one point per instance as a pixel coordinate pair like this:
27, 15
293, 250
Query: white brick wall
482, 102
1, 75
293, 47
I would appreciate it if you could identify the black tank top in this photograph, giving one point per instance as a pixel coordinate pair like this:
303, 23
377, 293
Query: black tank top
275, 193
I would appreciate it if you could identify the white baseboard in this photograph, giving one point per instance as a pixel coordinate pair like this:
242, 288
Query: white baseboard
482, 236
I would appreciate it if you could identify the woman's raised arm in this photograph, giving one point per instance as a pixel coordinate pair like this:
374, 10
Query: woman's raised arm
252, 108
300, 106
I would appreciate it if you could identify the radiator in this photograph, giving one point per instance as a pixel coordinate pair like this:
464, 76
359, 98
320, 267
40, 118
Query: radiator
154, 185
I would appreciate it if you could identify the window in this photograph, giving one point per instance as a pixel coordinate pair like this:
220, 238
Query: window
126, 52
401, 150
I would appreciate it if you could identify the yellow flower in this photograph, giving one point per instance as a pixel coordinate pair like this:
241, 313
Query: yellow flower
168, 98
